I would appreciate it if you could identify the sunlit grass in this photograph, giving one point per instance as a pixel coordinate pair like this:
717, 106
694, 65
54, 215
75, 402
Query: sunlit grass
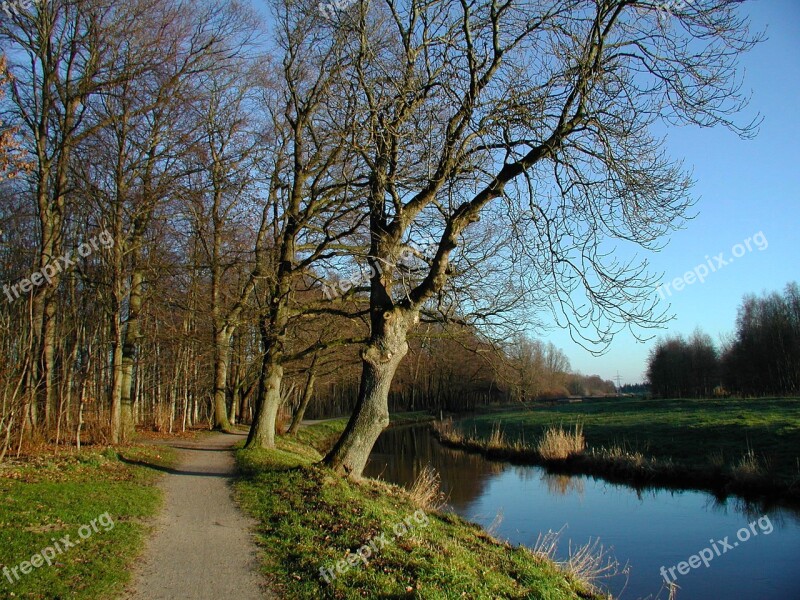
558, 443
310, 518
47, 497
690, 433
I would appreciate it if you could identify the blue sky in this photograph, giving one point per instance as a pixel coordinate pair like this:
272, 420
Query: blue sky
745, 187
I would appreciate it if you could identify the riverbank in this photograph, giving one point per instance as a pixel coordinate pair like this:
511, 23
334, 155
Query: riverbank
743, 447
328, 537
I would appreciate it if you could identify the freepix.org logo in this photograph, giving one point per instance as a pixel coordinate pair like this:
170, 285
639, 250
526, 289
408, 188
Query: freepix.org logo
59, 265
701, 272
15, 7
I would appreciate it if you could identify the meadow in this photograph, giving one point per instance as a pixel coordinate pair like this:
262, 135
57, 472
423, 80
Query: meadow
751, 443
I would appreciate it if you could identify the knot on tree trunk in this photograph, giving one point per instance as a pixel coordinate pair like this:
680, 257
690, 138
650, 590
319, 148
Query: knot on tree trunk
375, 356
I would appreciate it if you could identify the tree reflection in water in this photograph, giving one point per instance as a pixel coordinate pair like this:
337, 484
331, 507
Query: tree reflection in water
401, 453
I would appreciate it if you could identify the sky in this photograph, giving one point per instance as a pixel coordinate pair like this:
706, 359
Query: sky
745, 188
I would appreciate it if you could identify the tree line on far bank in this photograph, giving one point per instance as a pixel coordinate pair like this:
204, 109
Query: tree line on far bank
761, 358
455, 369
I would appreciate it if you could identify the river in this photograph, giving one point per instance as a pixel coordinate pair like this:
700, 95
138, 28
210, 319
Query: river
643, 529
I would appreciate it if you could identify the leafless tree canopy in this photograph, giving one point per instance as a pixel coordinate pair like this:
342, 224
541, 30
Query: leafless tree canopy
474, 163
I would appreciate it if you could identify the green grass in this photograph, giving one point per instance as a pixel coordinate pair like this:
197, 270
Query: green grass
700, 434
410, 418
311, 518
322, 435
45, 498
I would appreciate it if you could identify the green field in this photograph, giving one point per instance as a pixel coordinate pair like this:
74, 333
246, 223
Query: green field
45, 498
692, 433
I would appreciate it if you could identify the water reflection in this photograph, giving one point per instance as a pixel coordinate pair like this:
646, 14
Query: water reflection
645, 528
400, 454
564, 484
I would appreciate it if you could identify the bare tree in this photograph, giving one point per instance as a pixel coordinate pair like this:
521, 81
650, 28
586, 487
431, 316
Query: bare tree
61, 60
138, 154
221, 204
537, 113
313, 194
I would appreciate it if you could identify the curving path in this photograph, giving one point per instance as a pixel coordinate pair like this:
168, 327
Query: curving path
202, 547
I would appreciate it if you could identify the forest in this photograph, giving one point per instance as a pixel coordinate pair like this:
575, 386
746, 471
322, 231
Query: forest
762, 356
143, 229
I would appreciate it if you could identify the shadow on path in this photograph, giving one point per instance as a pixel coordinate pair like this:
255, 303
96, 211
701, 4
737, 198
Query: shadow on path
202, 548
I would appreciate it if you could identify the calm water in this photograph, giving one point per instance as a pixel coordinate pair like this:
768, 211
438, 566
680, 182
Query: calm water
645, 530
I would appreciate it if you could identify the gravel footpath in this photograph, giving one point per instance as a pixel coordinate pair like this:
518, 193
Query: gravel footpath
202, 547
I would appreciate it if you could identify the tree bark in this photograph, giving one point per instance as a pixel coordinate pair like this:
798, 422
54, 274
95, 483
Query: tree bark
116, 381
380, 360
308, 393
222, 356
132, 336
262, 432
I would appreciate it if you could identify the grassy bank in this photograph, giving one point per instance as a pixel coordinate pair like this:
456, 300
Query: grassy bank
748, 447
311, 519
410, 418
45, 498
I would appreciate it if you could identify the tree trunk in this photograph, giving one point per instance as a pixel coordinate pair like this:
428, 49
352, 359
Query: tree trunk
308, 393
129, 348
380, 360
273, 339
234, 405
262, 431
117, 381
49, 358
222, 356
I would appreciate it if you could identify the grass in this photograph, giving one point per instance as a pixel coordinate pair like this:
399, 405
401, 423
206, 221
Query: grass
729, 445
558, 443
44, 498
312, 519
590, 562
426, 490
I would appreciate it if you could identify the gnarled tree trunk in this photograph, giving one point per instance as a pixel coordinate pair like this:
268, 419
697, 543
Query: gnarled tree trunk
380, 360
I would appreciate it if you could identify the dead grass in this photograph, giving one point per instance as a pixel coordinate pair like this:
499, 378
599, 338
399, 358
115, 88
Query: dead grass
673, 591
447, 431
749, 467
558, 443
621, 456
426, 490
497, 439
588, 563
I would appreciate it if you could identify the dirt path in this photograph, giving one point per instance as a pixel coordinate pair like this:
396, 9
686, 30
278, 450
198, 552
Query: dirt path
202, 547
